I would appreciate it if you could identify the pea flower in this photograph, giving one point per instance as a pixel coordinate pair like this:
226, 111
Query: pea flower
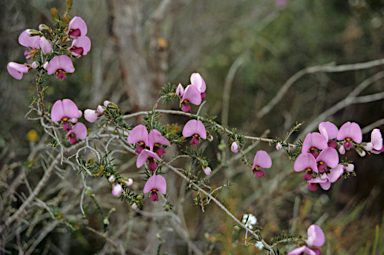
196, 129
79, 130
316, 237
326, 179
80, 46
312, 142
349, 132
150, 156
60, 64
17, 70
155, 183
77, 27
191, 95
376, 144
234, 147
199, 83
155, 139
261, 160
65, 110
139, 135
93, 115
327, 158
116, 189
329, 131
307, 162
29, 41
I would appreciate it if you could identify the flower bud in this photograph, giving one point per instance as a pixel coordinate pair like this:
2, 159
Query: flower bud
279, 146
362, 153
73, 120
180, 90
45, 65
100, 109
43, 27
350, 167
32, 32
116, 190
111, 178
207, 170
134, 206
35, 64
234, 147
342, 150
368, 147
129, 182
106, 103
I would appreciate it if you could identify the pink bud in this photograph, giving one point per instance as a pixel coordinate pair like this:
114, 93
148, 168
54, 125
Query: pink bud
100, 109
350, 167
129, 182
207, 170
342, 150
35, 65
279, 146
111, 178
106, 103
116, 190
134, 206
234, 147
180, 90
362, 153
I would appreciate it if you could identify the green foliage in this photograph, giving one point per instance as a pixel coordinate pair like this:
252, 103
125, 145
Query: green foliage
168, 93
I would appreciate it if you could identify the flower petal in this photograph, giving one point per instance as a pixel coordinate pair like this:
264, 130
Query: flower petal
80, 130
335, 173
329, 156
301, 250
138, 134
350, 130
329, 128
314, 140
57, 111
29, 41
45, 45
262, 159
305, 161
155, 137
77, 23
144, 155
61, 62
192, 95
198, 82
317, 236
82, 42
70, 109
91, 115
156, 182
16, 70
193, 127
376, 139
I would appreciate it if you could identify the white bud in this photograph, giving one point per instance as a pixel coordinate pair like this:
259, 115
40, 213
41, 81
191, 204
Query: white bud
361, 153
342, 150
100, 109
350, 167
210, 138
106, 103
368, 147
129, 182
35, 65
207, 170
45, 65
180, 90
111, 178
116, 190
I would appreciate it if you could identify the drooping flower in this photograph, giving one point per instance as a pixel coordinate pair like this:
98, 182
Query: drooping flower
79, 130
261, 160
117, 189
80, 46
155, 139
151, 156
180, 90
325, 179
45, 45
64, 110
312, 142
155, 183
316, 237
376, 144
191, 95
306, 161
139, 134
17, 70
199, 83
196, 129
60, 64
234, 147
350, 132
93, 115
77, 27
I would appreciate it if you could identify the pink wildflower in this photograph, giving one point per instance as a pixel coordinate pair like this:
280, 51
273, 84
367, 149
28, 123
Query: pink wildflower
196, 129
180, 90
93, 115
350, 132
29, 41
261, 160
17, 70
155, 139
64, 110
139, 134
117, 189
326, 179
307, 162
316, 237
199, 83
192, 95
312, 142
60, 64
79, 130
376, 144
77, 27
327, 158
207, 170
150, 156
80, 46
329, 131
155, 183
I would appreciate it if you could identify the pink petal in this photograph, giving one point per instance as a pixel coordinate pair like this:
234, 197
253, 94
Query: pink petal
329, 128
316, 236
155, 137
91, 115
77, 23
180, 90
57, 111
80, 130
192, 95
335, 174
193, 127
144, 155
325, 185
70, 109
301, 250
100, 109
234, 147
156, 182
61, 62
376, 139
29, 41
314, 140
262, 159
198, 82
82, 42
138, 134
116, 190
329, 156
350, 130
16, 70
45, 45
305, 161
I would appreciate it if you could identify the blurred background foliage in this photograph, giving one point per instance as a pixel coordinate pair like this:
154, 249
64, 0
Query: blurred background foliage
272, 43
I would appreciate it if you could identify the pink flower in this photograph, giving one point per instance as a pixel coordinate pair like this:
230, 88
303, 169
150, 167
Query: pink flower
327, 158
329, 131
29, 41
45, 45
350, 132
139, 134
261, 160
196, 129
192, 95
77, 27
312, 142
326, 179
155, 183
16, 70
180, 90
234, 147
79, 130
316, 237
80, 46
60, 64
151, 156
306, 161
199, 83
376, 144
155, 139
116, 190
64, 110
93, 115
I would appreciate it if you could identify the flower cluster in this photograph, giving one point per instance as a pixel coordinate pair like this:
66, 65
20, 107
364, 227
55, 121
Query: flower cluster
320, 152
193, 93
50, 50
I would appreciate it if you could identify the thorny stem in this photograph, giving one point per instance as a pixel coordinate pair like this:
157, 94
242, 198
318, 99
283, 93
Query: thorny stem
222, 207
